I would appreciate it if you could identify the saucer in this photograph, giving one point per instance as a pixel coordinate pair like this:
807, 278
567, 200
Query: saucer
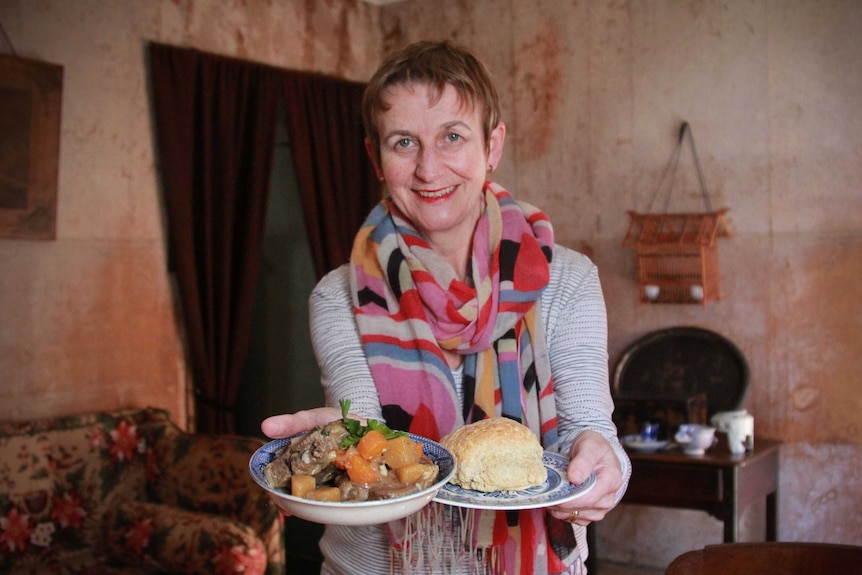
637, 443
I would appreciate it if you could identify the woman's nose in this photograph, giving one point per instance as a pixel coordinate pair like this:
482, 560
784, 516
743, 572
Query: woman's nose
428, 164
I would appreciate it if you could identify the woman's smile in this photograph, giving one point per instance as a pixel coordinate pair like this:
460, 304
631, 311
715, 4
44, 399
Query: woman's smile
431, 196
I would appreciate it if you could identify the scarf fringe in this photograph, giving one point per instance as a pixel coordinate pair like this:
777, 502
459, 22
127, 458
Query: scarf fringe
440, 539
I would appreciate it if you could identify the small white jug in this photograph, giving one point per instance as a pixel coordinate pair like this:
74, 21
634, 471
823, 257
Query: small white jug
739, 427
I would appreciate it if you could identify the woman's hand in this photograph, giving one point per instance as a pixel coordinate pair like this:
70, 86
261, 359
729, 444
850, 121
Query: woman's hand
290, 424
591, 452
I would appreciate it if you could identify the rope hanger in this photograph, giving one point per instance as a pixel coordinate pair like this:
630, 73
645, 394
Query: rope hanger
670, 170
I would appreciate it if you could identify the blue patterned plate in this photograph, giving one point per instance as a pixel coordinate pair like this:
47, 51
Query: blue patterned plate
555, 490
353, 512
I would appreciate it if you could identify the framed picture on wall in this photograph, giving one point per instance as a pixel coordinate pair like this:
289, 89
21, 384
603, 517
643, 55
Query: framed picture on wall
30, 101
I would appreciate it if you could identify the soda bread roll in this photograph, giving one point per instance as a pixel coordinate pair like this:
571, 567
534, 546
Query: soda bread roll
496, 454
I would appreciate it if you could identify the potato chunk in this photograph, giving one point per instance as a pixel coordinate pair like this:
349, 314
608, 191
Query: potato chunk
300, 485
400, 451
415, 473
324, 494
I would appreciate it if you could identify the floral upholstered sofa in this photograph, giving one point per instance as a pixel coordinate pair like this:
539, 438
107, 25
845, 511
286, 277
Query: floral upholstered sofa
129, 492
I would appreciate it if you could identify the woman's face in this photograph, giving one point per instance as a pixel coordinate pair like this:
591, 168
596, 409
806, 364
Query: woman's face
434, 159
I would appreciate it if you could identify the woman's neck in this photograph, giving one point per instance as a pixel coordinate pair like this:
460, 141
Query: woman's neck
455, 245
457, 251
453, 359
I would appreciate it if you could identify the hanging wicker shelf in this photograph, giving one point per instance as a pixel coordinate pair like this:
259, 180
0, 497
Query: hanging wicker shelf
677, 253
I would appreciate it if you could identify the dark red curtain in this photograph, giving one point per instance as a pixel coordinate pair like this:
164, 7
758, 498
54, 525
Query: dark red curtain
215, 122
336, 178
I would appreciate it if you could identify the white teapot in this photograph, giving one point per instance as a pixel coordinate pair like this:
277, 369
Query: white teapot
739, 427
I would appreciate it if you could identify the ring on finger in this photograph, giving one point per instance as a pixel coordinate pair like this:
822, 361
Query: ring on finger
573, 515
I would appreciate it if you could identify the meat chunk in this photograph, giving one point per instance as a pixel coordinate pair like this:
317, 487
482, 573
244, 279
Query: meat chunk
314, 453
390, 486
350, 490
277, 472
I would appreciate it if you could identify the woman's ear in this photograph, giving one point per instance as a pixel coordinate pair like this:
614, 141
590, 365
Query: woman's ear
495, 144
374, 155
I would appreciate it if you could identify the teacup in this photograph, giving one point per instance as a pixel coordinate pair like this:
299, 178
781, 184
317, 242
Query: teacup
649, 432
694, 438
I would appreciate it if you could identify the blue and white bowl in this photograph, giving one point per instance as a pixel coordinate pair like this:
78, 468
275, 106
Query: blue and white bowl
353, 512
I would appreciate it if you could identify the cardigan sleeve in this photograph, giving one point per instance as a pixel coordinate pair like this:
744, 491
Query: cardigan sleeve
344, 371
576, 330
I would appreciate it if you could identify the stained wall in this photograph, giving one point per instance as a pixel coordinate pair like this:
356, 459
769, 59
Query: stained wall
89, 321
593, 95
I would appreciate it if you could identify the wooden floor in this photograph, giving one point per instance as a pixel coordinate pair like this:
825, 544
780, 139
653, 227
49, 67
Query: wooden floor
608, 568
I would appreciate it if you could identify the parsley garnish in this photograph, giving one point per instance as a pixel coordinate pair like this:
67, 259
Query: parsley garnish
355, 429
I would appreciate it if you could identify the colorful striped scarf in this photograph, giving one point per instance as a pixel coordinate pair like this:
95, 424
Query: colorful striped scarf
409, 305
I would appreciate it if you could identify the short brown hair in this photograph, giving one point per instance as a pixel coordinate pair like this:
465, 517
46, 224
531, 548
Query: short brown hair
435, 64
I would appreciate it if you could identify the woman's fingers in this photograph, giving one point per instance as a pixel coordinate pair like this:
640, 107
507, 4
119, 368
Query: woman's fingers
591, 453
289, 424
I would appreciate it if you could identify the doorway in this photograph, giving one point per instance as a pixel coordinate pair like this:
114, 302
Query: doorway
280, 373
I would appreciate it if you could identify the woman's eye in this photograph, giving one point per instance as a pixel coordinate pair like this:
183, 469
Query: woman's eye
453, 137
403, 143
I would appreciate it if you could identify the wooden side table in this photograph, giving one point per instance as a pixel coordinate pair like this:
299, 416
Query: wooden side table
718, 482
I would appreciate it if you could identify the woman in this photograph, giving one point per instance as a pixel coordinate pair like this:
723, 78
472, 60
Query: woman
457, 305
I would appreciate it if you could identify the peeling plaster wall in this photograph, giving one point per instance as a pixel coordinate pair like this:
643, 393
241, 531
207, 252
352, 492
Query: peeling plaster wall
593, 93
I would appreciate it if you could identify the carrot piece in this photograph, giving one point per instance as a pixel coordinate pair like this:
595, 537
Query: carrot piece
342, 457
361, 471
372, 444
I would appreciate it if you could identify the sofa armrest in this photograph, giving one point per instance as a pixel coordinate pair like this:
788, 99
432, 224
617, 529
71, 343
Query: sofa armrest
173, 540
209, 473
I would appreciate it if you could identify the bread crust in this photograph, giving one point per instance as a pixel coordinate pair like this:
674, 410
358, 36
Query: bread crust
496, 454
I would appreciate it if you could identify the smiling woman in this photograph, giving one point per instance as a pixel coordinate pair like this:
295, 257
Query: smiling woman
458, 306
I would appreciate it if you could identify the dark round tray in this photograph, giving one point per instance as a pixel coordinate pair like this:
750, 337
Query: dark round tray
680, 361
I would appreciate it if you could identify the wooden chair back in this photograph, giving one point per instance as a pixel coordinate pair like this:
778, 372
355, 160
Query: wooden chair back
771, 558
